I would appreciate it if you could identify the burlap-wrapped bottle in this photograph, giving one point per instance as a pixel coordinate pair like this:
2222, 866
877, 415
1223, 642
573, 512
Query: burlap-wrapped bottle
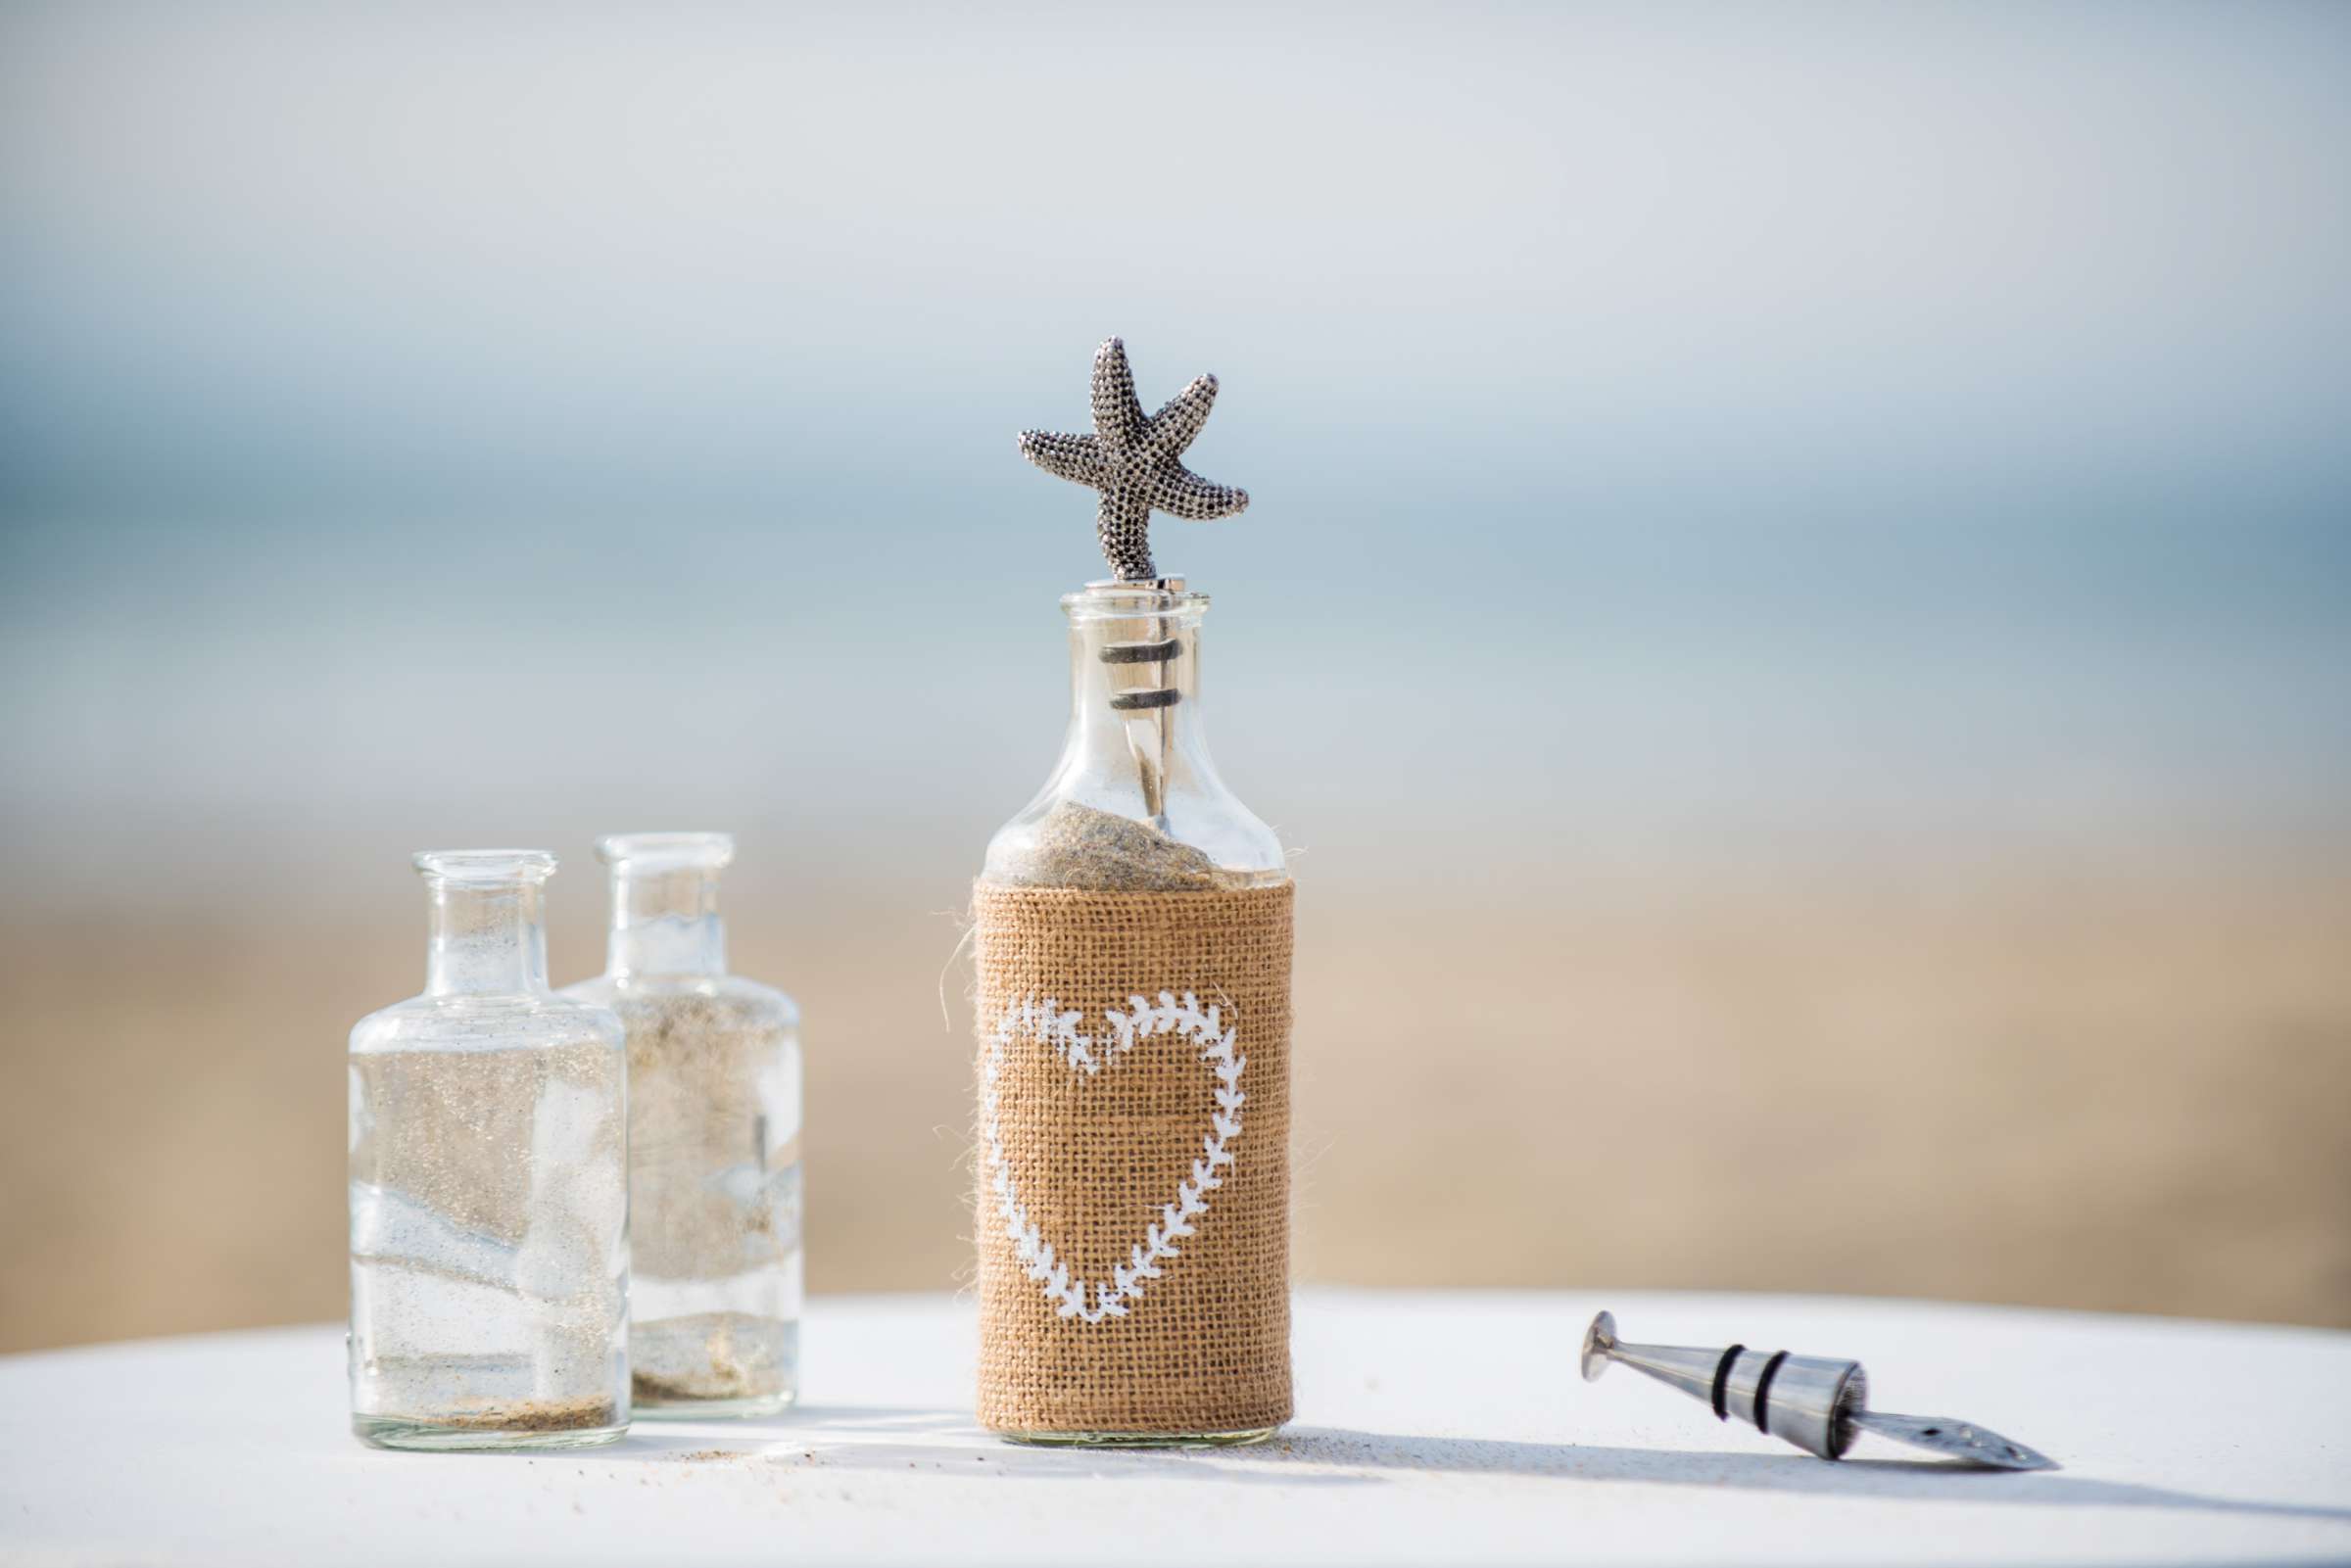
1133, 939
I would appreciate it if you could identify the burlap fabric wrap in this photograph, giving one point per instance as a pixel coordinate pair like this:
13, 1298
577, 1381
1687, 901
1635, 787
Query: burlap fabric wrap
1093, 1162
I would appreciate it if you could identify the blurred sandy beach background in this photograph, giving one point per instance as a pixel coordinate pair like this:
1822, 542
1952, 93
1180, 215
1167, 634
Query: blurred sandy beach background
1794, 613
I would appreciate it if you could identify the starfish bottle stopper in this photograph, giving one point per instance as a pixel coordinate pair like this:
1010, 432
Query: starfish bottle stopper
1135, 463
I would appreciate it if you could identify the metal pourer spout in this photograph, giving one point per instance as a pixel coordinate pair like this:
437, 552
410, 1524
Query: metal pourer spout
1818, 1403
1142, 692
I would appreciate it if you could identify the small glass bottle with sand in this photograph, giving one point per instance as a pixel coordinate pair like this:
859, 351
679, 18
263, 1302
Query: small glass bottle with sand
714, 1139
489, 1186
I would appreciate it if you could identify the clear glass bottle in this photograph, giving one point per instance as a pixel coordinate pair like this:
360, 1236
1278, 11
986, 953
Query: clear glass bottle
715, 1138
1136, 802
489, 1186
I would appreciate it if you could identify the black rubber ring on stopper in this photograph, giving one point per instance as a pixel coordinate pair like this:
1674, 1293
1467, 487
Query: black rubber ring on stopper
1771, 1369
1142, 652
1722, 1381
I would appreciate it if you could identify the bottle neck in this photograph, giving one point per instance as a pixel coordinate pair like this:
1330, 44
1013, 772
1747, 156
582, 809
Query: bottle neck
666, 922
486, 939
1134, 695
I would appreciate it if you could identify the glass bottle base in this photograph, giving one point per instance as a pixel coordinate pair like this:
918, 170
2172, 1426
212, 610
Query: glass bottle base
427, 1437
646, 1409
1140, 1440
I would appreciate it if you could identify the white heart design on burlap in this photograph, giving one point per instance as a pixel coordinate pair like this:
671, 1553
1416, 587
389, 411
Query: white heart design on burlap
1044, 1021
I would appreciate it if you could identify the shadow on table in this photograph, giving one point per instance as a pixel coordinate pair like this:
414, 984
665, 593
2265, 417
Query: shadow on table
1926, 1480
895, 1440
898, 1439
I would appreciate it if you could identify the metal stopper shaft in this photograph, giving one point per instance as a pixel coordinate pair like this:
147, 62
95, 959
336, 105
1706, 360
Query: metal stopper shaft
1146, 702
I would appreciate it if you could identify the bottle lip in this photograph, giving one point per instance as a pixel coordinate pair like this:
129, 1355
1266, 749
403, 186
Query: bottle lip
485, 868
1106, 602
667, 851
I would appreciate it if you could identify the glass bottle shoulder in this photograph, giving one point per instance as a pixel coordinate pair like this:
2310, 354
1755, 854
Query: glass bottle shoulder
744, 1003
1063, 839
474, 1023
1134, 803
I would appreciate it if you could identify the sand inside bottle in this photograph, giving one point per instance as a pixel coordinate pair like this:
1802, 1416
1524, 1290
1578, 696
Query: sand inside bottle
488, 1273
1082, 846
714, 1194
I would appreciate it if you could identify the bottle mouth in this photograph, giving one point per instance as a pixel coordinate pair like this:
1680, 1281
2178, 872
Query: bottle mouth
638, 853
485, 868
1118, 602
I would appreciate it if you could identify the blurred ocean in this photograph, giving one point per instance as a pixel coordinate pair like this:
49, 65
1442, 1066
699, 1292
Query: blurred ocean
1711, 465
444, 425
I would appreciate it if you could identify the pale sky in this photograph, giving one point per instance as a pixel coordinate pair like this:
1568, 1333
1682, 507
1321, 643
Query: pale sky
1730, 418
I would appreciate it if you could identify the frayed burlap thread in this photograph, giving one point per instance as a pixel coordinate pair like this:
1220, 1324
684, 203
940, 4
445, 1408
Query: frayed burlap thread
1133, 1161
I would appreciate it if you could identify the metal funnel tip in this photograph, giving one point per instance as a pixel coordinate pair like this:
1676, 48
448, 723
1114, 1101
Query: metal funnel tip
1598, 1340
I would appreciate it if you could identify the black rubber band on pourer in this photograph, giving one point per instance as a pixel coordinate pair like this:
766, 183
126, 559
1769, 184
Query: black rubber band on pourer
1153, 698
1142, 653
1722, 1381
1771, 1369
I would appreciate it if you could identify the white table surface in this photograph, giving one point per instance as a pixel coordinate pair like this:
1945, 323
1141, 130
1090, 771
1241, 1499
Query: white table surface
1430, 1428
